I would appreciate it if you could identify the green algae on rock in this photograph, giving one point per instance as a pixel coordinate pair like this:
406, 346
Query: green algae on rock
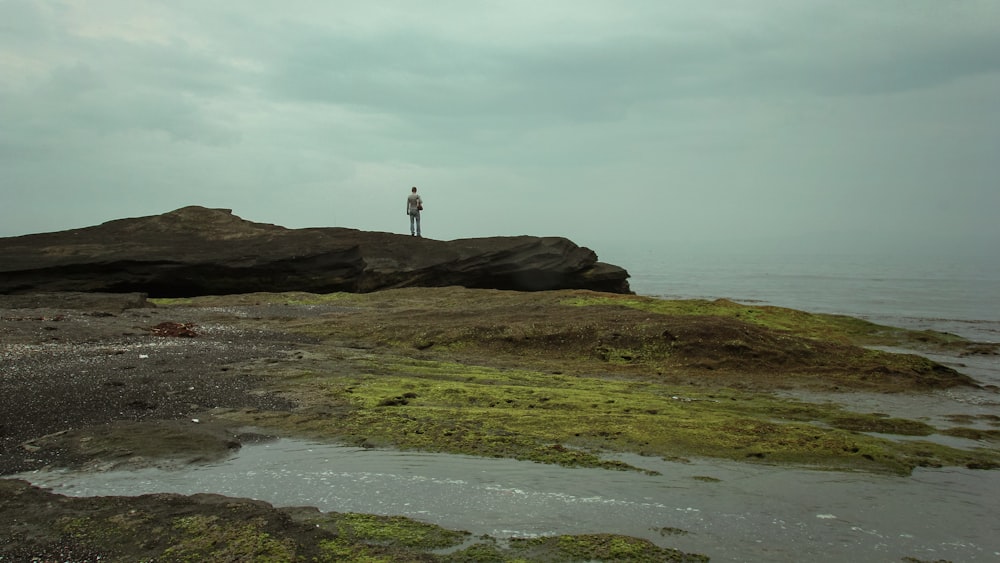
566, 377
571, 377
42, 526
579, 421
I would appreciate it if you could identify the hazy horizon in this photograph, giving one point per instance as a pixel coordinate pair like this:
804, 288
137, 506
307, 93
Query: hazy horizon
833, 126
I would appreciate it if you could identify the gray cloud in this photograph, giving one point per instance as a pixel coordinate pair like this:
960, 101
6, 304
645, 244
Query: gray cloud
732, 122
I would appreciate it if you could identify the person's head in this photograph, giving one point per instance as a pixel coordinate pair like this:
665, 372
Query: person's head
414, 190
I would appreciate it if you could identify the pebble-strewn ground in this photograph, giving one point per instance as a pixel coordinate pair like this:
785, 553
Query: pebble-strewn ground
65, 369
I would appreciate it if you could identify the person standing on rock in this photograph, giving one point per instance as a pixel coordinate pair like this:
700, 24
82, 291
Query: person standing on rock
414, 205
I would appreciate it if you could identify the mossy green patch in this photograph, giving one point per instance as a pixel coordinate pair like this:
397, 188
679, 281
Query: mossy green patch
569, 548
389, 531
338, 550
209, 538
575, 420
812, 325
569, 377
192, 538
108, 532
601, 547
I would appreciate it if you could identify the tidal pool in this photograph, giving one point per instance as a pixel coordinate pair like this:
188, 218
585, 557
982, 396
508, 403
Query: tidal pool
728, 511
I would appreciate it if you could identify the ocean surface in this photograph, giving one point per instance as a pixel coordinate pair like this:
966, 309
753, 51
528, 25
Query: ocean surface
959, 294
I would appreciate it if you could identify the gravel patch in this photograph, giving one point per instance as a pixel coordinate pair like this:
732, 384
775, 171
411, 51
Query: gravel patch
65, 369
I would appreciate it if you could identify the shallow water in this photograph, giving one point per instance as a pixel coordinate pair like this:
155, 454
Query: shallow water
728, 511
936, 408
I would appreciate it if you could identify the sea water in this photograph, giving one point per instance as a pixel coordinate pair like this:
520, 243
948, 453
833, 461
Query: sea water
957, 293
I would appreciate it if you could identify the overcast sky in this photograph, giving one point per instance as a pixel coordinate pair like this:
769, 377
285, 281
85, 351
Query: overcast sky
852, 124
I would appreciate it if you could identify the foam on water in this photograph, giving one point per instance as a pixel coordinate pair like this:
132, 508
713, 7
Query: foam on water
729, 511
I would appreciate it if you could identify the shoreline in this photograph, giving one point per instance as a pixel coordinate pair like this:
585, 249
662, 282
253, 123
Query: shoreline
380, 365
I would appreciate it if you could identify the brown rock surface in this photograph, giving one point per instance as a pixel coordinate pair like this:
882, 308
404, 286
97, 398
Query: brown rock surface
199, 251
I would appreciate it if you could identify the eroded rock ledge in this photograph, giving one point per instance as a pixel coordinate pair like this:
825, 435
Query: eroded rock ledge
200, 251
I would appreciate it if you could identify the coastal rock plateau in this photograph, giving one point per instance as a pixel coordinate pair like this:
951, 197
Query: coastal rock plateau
199, 251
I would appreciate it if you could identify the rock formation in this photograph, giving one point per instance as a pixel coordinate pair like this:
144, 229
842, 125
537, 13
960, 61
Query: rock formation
200, 251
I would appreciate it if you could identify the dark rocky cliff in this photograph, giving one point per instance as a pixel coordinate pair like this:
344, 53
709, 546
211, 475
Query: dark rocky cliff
200, 251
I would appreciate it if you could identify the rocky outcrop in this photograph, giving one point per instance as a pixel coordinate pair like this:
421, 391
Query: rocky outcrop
200, 251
